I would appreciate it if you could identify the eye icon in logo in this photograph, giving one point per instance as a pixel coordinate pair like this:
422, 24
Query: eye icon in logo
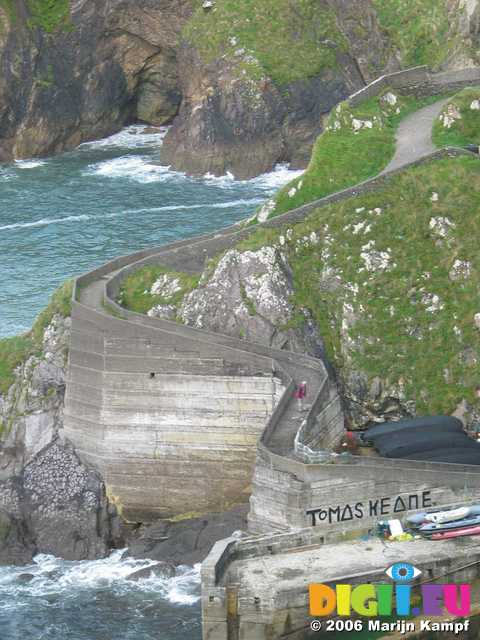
402, 572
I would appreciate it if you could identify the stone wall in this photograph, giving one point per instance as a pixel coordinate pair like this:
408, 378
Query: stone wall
419, 81
171, 424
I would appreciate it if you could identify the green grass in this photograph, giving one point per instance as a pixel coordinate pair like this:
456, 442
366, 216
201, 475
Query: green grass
467, 129
342, 158
15, 350
418, 29
283, 40
135, 291
9, 7
49, 15
435, 354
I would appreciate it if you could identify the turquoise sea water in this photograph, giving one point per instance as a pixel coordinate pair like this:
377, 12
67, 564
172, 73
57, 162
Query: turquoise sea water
67, 214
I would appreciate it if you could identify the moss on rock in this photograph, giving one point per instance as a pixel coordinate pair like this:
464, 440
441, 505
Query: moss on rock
17, 349
138, 292
49, 14
419, 30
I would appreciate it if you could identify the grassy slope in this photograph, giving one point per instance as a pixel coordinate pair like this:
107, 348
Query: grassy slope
443, 365
467, 129
342, 158
417, 29
135, 292
46, 14
14, 351
281, 39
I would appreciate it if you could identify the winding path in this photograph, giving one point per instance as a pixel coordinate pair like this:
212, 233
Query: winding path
414, 136
97, 289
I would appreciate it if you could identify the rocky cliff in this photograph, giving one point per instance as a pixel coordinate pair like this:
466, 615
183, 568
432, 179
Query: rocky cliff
249, 81
74, 71
49, 501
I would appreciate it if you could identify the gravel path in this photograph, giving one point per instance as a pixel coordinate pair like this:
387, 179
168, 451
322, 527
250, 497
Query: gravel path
414, 136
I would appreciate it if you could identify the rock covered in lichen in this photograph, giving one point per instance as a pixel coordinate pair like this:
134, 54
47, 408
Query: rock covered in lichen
60, 506
32, 410
248, 296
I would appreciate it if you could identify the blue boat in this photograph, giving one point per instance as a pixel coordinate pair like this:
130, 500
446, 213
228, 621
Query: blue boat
417, 519
432, 527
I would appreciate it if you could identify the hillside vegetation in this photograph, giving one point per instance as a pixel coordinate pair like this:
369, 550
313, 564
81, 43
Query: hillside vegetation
357, 144
421, 31
277, 38
392, 279
15, 350
459, 122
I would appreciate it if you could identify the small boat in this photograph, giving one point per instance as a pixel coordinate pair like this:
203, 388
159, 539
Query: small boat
456, 533
465, 456
434, 423
439, 517
433, 527
416, 519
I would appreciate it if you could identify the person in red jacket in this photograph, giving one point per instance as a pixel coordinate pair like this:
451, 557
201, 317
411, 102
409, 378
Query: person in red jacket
300, 394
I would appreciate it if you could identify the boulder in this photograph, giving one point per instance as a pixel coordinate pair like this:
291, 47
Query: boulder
163, 570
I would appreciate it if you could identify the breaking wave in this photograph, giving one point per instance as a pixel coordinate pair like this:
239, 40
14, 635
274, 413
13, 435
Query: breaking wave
133, 137
49, 576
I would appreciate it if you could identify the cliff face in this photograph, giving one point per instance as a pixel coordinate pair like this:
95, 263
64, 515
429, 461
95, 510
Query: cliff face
81, 74
49, 501
253, 80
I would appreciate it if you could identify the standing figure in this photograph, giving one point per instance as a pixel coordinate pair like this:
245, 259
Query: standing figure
300, 393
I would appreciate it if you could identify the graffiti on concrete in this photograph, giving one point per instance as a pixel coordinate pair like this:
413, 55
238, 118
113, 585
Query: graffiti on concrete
373, 508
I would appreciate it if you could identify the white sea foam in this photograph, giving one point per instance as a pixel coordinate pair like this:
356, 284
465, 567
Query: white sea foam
143, 169
270, 181
132, 137
44, 222
139, 168
277, 178
53, 576
29, 164
186, 207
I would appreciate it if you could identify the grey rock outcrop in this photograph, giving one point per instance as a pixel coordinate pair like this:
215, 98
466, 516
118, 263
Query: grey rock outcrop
32, 411
49, 501
162, 570
187, 541
56, 506
248, 296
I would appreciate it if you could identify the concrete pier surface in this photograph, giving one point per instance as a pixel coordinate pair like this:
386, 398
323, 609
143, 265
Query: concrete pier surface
268, 597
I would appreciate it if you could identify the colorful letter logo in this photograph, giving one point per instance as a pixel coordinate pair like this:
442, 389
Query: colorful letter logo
369, 600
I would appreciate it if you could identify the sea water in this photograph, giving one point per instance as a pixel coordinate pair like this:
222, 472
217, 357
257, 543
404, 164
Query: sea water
65, 215
94, 600
60, 217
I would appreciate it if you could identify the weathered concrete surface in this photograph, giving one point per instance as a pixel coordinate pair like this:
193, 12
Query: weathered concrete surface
268, 597
172, 429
